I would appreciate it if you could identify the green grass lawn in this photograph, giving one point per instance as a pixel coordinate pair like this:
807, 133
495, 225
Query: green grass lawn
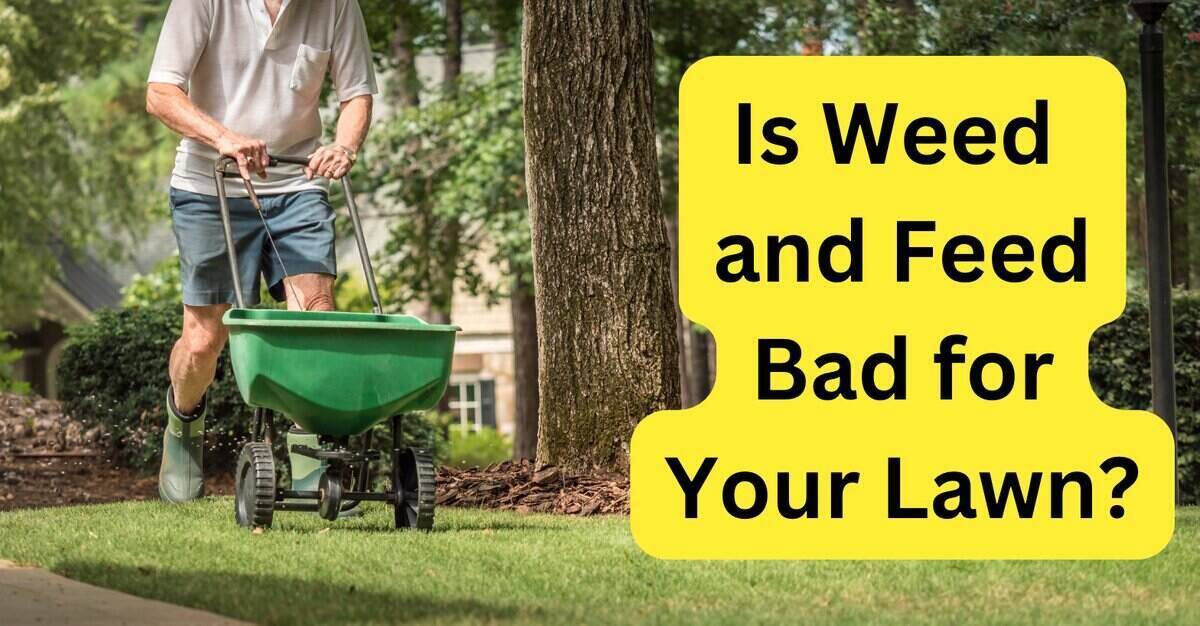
493, 567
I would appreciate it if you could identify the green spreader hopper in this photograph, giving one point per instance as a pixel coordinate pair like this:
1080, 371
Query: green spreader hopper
337, 374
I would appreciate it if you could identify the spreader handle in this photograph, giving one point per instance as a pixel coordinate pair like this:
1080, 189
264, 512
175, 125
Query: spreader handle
221, 172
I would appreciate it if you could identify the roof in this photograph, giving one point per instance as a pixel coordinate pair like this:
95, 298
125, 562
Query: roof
85, 279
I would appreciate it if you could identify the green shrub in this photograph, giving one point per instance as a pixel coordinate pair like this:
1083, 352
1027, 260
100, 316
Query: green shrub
114, 373
1120, 371
477, 449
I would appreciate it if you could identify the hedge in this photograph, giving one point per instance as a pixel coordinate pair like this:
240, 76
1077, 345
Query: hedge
1120, 371
113, 373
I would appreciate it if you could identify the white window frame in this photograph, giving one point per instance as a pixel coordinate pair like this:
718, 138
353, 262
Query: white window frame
462, 407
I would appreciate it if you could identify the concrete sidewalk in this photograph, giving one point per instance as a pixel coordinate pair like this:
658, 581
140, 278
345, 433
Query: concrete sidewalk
31, 596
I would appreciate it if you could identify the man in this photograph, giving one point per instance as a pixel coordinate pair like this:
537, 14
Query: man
240, 78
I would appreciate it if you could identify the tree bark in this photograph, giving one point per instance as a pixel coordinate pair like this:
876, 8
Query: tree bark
407, 85
607, 351
682, 324
525, 369
503, 20
711, 346
445, 269
452, 61
698, 376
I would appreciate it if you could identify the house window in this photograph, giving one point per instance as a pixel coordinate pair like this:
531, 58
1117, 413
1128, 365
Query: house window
473, 401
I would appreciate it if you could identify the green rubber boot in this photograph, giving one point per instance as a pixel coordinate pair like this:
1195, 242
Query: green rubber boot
181, 475
307, 471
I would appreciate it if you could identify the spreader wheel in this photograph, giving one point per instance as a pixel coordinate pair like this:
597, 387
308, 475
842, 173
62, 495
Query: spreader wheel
255, 503
417, 489
329, 499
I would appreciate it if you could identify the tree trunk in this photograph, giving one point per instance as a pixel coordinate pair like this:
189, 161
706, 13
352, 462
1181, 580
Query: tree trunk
1135, 218
682, 325
503, 20
698, 376
445, 270
405, 87
711, 346
525, 369
452, 62
406, 84
607, 352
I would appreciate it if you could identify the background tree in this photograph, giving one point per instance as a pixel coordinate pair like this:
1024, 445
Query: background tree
504, 23
605, 312
67, 171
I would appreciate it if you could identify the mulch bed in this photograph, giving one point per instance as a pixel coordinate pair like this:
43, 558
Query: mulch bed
526, 487
49, 459
27, 483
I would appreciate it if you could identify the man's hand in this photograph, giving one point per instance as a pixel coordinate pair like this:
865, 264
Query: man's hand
332, 161
251, 154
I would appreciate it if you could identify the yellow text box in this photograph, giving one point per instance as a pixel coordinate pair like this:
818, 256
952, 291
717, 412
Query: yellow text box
862, 464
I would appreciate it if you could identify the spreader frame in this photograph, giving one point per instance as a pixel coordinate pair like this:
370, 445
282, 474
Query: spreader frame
412, 477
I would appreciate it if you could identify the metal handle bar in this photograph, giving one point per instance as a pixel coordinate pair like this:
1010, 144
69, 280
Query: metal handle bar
221, 172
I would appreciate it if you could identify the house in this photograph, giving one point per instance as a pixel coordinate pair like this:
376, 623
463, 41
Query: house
482, 387
82, 286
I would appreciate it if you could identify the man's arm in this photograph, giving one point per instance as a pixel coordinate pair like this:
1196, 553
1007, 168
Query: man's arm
172, 106
354, 81
335, 160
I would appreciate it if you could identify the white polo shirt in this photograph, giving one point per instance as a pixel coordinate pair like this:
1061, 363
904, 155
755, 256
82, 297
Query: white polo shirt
259, 80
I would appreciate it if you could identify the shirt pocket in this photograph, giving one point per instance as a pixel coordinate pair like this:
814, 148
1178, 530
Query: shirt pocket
308, 72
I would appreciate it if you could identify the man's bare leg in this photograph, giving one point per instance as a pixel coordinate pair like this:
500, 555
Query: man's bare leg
193, 364
309, 292
194, 357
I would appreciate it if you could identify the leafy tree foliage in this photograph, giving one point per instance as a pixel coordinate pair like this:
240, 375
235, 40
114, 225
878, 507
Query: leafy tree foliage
62, 170
161, 286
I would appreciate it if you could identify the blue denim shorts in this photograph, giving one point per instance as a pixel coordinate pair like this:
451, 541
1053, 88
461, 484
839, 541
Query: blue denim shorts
301, 224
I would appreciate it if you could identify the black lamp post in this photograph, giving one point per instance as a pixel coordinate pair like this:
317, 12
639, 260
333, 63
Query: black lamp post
1158, 220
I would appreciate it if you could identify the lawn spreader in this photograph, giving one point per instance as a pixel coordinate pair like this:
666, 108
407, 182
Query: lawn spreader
335, 375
